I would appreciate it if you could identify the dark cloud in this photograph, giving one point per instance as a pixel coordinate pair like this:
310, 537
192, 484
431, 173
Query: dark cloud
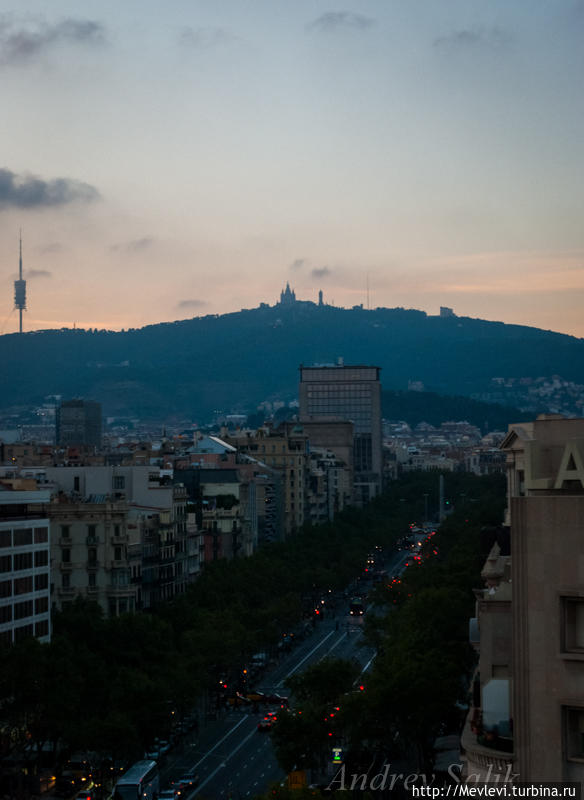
333, 21
321, 272
205, 38
51, 247
192, 304
298, 263
20, 45
28, 191
491, 38
134, 246
37, 273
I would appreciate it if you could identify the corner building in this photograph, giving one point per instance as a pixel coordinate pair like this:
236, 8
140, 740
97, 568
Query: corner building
349, 393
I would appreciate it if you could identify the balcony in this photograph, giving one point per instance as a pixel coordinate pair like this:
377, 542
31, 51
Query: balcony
487, 755
121, 591
92, 541
65, 541
69, 592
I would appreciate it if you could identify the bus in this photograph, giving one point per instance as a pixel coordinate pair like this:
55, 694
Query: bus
140, 782
357, 607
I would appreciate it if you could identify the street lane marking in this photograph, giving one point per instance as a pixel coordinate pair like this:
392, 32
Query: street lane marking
314, 649
222, 766
227, 735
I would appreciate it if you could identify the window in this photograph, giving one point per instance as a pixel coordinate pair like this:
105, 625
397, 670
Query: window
41, 581
42, 628
41, 605
22, 610
76, 483
119, 482
41, 535
92, 556
116, 530
23, 585
5, 614
66, 555
41, 558
573, 624
22, 561
92, 580
5, 588
574, 732
5, 563
65, 531
23, 537
5, 538
66, 580
117, 553
92, 531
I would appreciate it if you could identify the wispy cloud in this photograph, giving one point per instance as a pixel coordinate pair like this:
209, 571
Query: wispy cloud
205, 38
37, 273
51, 247
467, 39
192, 304
21, 43
333, 21
30, 192
297, 264
321, 272
134, 245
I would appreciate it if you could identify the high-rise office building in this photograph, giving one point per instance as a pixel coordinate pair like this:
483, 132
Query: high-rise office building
79, 423
350, 393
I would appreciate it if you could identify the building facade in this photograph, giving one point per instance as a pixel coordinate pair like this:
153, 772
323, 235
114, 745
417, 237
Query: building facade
528, 715
79, 423
24, 562
349, 393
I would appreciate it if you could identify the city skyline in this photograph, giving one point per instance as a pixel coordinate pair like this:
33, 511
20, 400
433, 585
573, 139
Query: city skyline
191, 161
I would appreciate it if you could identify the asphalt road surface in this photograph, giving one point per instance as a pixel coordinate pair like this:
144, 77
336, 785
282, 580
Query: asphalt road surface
235, 760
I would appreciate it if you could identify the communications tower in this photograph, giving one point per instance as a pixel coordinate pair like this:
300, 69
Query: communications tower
20, 289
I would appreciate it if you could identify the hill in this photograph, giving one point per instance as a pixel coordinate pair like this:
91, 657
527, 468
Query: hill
193, 367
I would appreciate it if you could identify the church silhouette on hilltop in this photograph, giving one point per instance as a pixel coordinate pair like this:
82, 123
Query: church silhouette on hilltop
288, 297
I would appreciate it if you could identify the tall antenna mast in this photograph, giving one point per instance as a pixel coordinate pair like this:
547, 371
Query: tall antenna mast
20, 287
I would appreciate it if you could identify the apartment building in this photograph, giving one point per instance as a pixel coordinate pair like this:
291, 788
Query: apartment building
24, 561
540, 611
90, 553
284, 450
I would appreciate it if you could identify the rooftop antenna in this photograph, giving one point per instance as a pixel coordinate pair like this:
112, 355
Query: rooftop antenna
20, 288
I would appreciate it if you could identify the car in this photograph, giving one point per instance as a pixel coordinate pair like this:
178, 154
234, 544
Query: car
87, 793
167, 794
276, 699
188, 780
163, 746
265, 724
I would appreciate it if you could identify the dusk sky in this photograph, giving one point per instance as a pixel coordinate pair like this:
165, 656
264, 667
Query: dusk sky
176, 159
